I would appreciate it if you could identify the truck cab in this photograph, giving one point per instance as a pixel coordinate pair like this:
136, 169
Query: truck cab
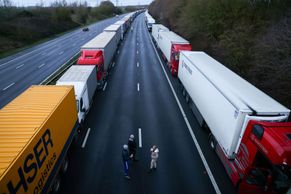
94, 57
263, 161
175, 53
82, 102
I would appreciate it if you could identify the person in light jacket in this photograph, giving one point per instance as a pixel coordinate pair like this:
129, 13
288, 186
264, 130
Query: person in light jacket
154, 157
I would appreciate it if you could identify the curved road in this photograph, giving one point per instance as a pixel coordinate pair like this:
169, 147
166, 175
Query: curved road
33, 65
138, 98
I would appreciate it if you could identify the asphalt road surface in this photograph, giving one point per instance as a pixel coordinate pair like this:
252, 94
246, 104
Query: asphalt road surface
138, 97
33, 65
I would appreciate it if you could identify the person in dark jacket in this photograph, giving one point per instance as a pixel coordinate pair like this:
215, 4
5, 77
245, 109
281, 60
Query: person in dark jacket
132, 147
125, 158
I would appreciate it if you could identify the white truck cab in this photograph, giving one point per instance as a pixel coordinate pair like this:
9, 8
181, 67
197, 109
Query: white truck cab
83, 78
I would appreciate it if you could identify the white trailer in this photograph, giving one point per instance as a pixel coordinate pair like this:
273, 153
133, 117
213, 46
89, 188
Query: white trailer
107, 43
123, 26
156, 28
115, 28
150, 22
127, 21
225, 101
83, 78
165, 41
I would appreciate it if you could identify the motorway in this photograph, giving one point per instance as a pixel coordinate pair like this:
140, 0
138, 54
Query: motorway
138, 99
33, 65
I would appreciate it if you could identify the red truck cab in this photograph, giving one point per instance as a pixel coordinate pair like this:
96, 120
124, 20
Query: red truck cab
175, 52
94, 57
263, 161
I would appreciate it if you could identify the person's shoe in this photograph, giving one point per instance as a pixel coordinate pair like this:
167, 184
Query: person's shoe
155, 168
150, 170
135, 159
127, 177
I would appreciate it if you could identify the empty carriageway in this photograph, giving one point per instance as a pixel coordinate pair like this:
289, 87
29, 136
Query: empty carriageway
138, 100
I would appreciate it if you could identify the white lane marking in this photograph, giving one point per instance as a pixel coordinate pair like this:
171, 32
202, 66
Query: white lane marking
86, 137
19, 66
113, 64
47, 44
137, 52
137, 64
8, 87
137, 44
216, 188
42, 54
139, 137
117, 51
41, 65
104, 88
137, 86
60, 53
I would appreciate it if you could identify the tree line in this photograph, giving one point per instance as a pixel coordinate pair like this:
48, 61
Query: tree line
21, 26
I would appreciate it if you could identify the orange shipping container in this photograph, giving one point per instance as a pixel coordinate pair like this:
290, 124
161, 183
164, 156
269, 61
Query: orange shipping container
36, 130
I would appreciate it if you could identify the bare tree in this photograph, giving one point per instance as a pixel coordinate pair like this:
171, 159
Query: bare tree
5, 3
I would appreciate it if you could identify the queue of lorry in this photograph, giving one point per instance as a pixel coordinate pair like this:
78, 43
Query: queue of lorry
40, 126
247, 129
168, 42
149, 20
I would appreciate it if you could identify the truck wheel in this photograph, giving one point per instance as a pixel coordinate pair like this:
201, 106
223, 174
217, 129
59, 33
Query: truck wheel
212, 142
65, 165
187, 98
56, 185
184, 92
204, 125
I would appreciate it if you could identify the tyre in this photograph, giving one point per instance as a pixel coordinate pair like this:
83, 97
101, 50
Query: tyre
187, 98
184, 92
56, 185
65, 165
212, 142
204, 125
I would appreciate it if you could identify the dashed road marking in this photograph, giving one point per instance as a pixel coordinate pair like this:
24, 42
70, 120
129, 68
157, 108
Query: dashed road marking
138, 87
104, 87
113, 64
86, 137
137, 52
137, 64
139, 137
60, 53
8, 86
19, 66
41, 65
